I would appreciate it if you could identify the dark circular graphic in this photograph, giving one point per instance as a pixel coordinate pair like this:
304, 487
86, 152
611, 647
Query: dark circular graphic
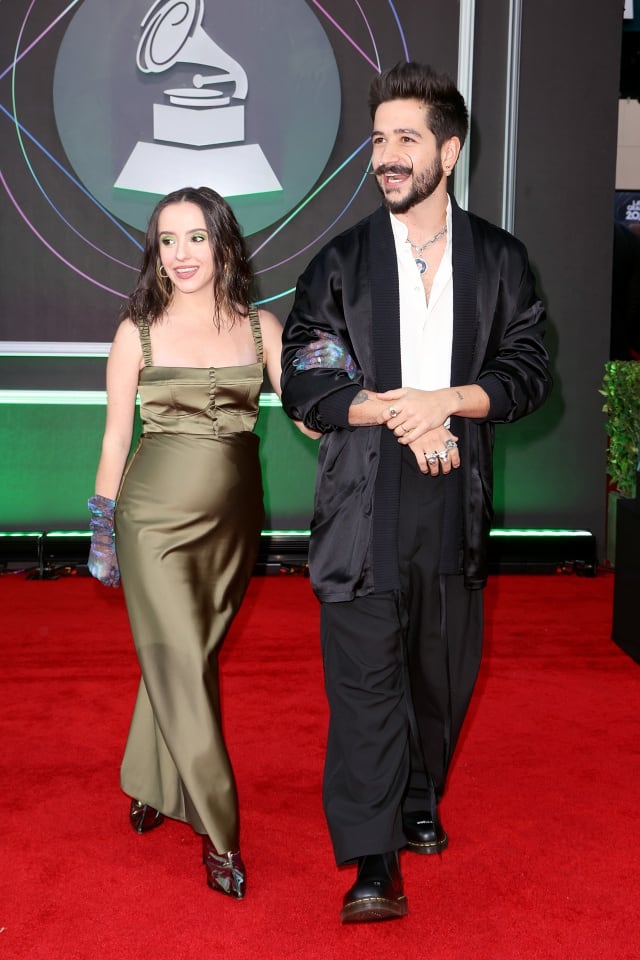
127, 71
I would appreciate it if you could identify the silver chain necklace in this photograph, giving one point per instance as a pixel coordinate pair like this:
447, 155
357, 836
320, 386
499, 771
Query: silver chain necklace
421, 263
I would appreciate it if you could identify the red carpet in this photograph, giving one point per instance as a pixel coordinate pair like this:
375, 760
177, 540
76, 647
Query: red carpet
542, 808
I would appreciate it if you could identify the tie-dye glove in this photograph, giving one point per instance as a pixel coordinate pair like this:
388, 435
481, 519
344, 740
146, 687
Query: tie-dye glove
102, 563
326, 353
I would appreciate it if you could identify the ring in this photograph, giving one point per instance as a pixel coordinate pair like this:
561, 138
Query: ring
450, 444
431, 458
393, 412
443, 455
404, 429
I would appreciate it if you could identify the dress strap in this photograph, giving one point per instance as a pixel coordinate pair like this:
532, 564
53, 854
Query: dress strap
145, 341
254, 320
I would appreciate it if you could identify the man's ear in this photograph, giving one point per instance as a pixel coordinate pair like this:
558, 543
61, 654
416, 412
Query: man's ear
449, 153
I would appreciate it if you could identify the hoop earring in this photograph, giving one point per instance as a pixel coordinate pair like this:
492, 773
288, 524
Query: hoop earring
163, 278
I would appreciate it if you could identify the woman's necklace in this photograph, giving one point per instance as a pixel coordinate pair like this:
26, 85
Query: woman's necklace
421, 263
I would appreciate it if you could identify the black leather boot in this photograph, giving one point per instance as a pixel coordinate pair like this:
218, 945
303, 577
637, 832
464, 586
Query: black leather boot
377, 893
143, 818
424, 833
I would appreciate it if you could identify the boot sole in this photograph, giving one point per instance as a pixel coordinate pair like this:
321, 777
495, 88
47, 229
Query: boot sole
427, 848
370, 910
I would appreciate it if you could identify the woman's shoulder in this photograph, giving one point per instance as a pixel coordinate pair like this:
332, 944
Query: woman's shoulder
268, 320
126, 341
127, 330
270, 333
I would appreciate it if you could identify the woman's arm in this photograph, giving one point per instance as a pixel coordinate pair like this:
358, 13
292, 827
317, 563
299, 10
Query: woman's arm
123, 367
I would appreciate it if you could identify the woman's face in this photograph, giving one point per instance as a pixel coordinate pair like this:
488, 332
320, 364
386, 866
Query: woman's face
185, 247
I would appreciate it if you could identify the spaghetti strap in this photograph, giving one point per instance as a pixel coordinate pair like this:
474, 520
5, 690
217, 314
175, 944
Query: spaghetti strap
145, 342
254, 320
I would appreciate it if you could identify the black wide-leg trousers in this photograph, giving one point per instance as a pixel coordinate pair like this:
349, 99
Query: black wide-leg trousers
400, 667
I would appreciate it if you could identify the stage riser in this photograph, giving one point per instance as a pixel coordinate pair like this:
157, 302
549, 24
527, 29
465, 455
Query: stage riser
512, 554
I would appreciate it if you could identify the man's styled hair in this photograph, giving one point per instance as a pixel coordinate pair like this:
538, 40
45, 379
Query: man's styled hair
447, 114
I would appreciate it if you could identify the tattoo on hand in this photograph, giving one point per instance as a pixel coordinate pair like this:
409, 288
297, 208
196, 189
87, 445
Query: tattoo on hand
459, 395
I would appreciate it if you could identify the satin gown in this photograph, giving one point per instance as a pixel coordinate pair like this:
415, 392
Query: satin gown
188, 520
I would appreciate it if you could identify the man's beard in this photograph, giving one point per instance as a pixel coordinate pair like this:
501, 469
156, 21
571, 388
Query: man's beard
423, 185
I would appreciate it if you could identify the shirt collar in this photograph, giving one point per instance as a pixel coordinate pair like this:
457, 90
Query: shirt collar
401, 231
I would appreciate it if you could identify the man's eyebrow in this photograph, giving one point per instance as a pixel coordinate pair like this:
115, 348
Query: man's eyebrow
414, 133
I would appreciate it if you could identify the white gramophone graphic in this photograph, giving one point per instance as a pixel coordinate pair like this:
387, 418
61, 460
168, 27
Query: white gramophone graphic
203, 119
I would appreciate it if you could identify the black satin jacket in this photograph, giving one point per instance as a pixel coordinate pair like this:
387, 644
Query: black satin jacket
350, 289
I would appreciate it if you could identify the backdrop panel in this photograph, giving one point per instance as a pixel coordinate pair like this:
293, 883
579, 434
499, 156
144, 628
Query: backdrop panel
82, 93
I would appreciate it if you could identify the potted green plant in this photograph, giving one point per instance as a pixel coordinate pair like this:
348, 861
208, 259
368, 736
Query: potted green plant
621, 390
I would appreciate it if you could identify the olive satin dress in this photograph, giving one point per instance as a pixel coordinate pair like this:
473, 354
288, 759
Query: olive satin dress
188, 520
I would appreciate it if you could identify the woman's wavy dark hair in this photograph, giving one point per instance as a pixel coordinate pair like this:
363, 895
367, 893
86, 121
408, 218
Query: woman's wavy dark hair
447, 114
233, 276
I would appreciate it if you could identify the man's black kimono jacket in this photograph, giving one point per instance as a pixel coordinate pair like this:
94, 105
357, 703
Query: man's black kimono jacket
350, 289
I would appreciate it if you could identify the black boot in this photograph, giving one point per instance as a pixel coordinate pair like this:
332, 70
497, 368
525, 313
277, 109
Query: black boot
377, 893
225, 871
424, 833
143, 818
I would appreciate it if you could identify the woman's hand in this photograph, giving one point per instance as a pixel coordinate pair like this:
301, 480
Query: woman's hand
102, 562
328, 353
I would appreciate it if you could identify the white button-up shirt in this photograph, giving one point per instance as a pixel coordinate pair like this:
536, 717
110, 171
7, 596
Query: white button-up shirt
426, 329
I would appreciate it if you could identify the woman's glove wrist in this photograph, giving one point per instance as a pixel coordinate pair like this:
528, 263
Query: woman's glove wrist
102, 562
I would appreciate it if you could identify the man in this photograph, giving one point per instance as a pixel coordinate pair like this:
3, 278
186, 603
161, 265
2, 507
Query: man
411, 335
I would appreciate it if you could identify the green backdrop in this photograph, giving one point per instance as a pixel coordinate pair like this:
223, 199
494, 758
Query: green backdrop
50, 454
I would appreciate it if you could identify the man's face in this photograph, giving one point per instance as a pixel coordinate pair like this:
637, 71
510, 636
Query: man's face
405, 159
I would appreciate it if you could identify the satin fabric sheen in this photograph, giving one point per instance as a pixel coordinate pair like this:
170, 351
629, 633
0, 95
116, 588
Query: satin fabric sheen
350, 290
188, 522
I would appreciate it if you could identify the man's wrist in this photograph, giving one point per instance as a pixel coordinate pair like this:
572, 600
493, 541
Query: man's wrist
364, 410
470, 400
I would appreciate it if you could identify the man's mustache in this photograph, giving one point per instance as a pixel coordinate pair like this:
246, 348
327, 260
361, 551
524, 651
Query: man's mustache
385, 168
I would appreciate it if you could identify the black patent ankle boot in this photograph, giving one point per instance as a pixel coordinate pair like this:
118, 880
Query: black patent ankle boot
143, 818
225, 871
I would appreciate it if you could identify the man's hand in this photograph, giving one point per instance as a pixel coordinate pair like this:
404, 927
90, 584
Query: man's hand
410, 413
436, 452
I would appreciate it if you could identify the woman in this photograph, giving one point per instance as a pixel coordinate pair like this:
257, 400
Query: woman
187, 508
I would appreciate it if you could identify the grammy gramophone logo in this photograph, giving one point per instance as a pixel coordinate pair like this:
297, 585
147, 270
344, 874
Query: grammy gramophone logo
198, 130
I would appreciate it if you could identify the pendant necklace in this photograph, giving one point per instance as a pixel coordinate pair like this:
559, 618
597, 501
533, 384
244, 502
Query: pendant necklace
421, 263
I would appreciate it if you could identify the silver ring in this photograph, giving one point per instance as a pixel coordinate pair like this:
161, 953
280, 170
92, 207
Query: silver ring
450, 444
443, 455
431, 458
393, 412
